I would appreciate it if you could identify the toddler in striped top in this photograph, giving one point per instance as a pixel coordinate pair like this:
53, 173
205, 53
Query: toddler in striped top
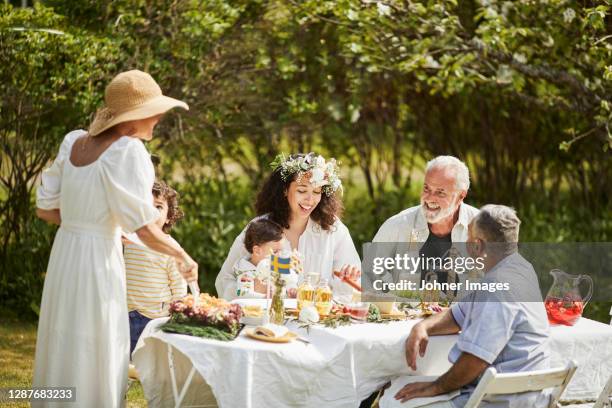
153, 280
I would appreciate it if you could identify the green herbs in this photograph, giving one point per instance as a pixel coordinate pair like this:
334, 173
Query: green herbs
207, 332
374, 314
336, 320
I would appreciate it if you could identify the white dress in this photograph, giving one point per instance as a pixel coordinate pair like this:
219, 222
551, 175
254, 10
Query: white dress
83, 330
323, 252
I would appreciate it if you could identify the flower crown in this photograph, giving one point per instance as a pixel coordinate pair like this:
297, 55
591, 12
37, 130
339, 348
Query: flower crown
322, 174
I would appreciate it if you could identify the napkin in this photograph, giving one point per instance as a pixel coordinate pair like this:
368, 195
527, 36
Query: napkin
388, 400
271, 330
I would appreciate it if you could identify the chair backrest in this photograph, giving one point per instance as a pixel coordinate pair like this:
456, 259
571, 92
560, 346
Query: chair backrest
604, 397
512, 383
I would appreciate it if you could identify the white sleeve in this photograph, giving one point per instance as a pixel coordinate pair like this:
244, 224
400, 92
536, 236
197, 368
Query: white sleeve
382, 247
225, 283
387, 232
345, 253
49, 192
128, 176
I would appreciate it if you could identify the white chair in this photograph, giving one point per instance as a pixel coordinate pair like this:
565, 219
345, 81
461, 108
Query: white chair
493, 383
605, 396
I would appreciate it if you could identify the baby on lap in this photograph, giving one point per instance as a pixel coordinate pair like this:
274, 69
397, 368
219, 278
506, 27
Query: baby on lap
262, 238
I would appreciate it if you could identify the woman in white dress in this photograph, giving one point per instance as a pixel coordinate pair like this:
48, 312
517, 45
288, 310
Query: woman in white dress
302, 195
99, 184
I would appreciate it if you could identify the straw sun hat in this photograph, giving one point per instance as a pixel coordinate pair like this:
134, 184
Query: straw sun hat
131, 95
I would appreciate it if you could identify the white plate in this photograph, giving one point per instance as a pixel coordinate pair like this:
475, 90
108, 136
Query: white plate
252, 321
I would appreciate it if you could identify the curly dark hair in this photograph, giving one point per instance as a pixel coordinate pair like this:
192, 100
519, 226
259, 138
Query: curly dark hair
272, 200
163, 190
261, 231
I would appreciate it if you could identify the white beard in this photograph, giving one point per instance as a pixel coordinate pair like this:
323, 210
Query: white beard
436, 216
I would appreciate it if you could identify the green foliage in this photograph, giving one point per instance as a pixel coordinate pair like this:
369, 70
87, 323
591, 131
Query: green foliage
215, 213
207, 332
519, 90
48, 72
24, 264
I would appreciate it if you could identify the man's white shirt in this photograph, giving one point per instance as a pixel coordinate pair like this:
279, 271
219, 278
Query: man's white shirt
409, 230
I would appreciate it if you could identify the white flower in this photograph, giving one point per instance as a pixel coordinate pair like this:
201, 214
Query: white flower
320, 161
336, 183
569, 15
383, 9
317, 177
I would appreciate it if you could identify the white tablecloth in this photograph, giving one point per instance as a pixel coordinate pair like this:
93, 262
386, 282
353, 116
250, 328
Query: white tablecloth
339, 368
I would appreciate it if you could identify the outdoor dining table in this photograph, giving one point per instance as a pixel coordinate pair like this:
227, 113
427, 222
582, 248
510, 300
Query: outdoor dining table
339, 367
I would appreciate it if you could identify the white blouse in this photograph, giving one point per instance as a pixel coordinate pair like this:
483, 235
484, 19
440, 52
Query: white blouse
323, 252
119, 187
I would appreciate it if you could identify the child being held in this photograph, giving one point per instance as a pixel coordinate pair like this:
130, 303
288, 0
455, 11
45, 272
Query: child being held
262, 238
153, 280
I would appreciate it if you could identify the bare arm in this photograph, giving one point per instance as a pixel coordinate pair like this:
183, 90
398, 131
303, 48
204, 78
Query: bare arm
153, 237
467, 368
439, 324
50, 216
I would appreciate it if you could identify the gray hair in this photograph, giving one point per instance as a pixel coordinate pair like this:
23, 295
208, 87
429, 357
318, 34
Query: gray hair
499, 225
462, 178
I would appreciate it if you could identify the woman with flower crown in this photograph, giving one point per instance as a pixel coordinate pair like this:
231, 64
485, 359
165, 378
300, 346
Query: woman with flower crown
302, 195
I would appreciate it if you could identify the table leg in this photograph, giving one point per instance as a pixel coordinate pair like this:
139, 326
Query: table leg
186, 386
178, 398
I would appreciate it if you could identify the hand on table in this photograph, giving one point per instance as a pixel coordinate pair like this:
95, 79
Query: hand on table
416, 343
418, 390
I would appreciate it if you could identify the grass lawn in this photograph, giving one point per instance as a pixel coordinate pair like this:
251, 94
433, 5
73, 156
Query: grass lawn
17, 345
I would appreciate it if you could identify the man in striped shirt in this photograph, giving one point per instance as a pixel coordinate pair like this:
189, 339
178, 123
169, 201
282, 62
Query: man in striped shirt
153, 280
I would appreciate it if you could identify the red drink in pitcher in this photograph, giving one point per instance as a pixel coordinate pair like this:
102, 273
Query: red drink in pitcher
565, 312
564, 304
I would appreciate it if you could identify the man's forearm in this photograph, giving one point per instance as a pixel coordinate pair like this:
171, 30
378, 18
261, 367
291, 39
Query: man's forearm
467, 368
441, 323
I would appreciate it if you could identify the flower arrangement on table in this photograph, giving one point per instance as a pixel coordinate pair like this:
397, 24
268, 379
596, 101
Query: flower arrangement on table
212, 318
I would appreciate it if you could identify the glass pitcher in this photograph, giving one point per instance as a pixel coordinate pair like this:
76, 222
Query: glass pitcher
564, 303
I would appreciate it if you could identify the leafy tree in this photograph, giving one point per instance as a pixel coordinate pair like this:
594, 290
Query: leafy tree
47, 73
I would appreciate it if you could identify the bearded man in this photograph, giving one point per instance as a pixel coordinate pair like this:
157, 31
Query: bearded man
440, 220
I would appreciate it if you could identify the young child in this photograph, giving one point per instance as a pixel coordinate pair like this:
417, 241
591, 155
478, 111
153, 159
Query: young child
153, 279
261, 238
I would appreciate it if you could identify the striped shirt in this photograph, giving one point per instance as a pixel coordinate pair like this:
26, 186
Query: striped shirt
153, 281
